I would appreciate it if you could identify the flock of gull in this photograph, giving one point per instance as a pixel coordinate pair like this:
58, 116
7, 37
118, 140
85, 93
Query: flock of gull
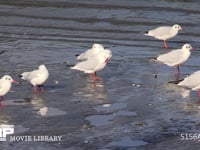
96, 58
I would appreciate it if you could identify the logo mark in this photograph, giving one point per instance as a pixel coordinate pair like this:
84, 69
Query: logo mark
5, 130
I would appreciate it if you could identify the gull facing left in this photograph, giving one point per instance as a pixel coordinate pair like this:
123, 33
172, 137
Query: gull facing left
36, 77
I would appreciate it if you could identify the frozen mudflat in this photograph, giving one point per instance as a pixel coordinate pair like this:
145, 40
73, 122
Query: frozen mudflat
132, 107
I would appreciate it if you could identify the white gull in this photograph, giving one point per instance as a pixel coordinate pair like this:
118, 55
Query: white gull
176, 57
5, 86
36, 77
192, 81
164, 33
95, 63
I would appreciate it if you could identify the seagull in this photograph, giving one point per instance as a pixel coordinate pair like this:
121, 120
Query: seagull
36, 77
91, 52
94, 64
5, 86
164, 33
176, 57
192, 82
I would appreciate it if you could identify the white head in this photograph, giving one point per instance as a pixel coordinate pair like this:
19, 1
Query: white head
7, 78
177, 27
97, 46
6, 83
42, 67
187, 47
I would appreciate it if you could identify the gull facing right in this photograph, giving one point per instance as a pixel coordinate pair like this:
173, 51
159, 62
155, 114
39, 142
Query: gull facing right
91, 52
176, 57
94, 64
164, 33
192, 81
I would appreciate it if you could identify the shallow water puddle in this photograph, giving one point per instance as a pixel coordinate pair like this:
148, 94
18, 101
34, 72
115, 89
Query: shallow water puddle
126, 113
50, 111
110, 107
100, 120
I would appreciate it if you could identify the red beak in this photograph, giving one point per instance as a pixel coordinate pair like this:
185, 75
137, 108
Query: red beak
193, 48
13, 81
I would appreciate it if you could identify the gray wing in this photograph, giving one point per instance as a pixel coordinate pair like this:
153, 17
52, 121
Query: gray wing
30, 75
88, 66
85, 55
172, 58
160, 31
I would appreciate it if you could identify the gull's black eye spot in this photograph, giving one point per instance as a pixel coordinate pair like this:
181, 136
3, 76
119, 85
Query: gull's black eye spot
7, 78
188, 47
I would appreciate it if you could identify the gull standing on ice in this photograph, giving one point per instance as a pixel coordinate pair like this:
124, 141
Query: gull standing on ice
192, 81
5, 86
91, 52
176, 57
36, 77
94, 64
164, 33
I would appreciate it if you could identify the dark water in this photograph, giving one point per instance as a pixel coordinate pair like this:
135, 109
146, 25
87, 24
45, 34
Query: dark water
129, 108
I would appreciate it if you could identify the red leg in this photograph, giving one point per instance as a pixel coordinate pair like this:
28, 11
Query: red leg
95, 77
199, 93
35, 89
41, 89
165, 44
176, 71
2, 102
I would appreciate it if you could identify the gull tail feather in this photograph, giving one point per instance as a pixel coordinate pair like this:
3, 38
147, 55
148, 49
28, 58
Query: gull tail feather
147, 33
176, 81
23, 75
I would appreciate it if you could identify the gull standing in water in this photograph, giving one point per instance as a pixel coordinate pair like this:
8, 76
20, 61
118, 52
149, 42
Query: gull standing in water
94, 64
5, 86
192, 81
176, 57
36, 77
164, 33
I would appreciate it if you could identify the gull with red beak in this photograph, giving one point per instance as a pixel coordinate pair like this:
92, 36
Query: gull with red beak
95, 63
164, 33
5, 86
176, 57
